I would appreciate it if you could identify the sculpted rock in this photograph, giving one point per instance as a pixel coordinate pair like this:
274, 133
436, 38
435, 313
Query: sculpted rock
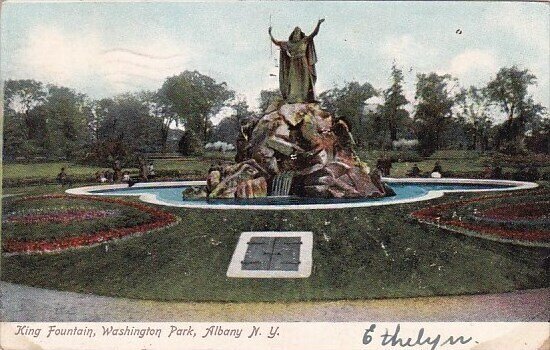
194, 192
256, 188
304, 141
237, 174
213, 180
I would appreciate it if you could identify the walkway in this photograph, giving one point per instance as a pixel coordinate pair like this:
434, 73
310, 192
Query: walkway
22, 303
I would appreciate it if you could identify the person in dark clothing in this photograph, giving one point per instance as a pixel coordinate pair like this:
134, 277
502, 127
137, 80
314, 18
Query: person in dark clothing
117, 171
414, 172
496, 172
437, 168
387, 166
62, 178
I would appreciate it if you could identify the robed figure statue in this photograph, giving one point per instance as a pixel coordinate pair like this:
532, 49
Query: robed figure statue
297, 75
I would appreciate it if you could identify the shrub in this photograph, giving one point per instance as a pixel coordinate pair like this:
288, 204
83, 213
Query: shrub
190, 144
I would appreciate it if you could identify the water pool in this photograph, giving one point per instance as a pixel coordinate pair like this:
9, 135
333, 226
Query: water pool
407, 191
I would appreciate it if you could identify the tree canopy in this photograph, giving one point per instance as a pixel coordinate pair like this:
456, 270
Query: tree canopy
51, 121
195, 98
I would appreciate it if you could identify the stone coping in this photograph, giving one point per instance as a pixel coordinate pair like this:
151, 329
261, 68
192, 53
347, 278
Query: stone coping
153, 199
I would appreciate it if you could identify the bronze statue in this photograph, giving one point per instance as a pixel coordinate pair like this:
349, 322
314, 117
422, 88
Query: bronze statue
297, 75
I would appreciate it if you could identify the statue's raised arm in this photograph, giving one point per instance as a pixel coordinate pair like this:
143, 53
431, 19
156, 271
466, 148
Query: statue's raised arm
273, 40
316, 30
297, 59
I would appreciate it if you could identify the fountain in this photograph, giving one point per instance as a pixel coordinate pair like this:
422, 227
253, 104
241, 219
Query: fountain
296, 155
280, 187
296, 148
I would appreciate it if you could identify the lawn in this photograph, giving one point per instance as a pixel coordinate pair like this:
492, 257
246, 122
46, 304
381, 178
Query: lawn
458, 163
376, 252
49, 170
359, 253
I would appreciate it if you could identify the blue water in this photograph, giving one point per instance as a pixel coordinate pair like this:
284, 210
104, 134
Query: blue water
402, 190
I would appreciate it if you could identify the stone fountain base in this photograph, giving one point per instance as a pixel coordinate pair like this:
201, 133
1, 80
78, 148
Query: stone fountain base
303, 142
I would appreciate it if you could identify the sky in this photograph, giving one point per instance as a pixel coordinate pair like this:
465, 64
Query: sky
107, 48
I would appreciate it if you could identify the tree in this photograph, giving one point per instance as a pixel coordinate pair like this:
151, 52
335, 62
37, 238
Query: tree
392, 110
97, 112
509, 91
349, 103
539, 139
22, 96
44, 120
15, 142
474, 114
66, 122
436, 97
229, 127
195, 98
160, 108
127, 129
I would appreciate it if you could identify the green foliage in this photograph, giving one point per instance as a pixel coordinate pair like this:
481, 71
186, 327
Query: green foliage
229, 128
126, 129
539, 140
394, 115
436, 100
66, 122
267, 97
190, 144
509, 91
43, 121
474, 115
348, 103
23, 95
195, 98
48, 122
357, 253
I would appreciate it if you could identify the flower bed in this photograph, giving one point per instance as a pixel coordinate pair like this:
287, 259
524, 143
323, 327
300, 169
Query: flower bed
58, 216
521, 218
157, 219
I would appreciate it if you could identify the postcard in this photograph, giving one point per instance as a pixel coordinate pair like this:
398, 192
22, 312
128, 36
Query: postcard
275, 175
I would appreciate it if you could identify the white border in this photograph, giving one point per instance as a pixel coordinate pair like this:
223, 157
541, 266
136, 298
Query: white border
152, 198
306, 259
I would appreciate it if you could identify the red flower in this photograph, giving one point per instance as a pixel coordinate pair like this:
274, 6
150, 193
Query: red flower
160, 219
440, 215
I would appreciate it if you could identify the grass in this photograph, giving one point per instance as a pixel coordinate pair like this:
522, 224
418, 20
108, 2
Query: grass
44, 170
49, 170
376, 252
456, 162
358, 253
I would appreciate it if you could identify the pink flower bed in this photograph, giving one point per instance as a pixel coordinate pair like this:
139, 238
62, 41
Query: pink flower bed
159, 219
63, 217
533, 210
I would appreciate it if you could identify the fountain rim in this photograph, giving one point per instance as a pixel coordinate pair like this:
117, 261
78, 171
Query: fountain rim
432, 194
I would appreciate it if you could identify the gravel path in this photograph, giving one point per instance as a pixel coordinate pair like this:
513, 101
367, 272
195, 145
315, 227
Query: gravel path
23, 303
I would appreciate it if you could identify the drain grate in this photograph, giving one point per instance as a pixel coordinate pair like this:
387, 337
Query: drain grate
272, 255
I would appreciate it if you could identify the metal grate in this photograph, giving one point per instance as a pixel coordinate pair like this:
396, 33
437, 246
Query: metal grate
272, 254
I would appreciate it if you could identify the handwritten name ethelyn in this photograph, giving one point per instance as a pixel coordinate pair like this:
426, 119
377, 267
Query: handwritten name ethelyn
393, 339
